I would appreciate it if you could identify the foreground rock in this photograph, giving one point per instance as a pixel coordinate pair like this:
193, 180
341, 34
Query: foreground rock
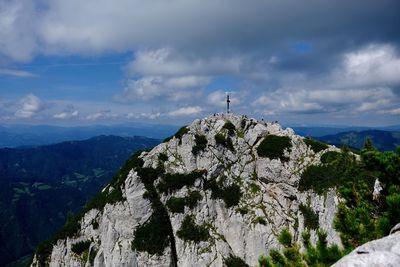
243, 229
384, 252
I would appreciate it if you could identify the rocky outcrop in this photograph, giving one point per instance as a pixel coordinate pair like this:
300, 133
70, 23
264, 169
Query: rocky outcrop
384, 252
268, 201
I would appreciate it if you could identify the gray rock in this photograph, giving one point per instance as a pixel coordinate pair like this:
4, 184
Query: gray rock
270, 198
384, 252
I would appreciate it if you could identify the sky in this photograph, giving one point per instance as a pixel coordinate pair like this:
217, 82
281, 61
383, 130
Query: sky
310, 62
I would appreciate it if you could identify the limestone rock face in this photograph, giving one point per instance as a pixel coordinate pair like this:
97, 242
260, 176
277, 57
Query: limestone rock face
269, 203
383, 252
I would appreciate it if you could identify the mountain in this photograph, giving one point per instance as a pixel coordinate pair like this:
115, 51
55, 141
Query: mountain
35, 135
318, 131
382, 140
39, 185
219, 191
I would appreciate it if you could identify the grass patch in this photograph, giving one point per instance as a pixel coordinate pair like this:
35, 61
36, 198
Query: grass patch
190, 231
274, 146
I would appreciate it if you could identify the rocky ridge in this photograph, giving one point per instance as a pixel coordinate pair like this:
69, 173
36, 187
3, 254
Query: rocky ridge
224, 164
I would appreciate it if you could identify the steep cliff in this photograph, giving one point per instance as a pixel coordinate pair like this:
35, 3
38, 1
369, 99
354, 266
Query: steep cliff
222, 188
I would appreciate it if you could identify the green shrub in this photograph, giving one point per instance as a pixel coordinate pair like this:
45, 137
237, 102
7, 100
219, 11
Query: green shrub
92, 256
285, 238
319, 255
192, 199
230, 127
260, 220
231, 195
70, 229
277, 258
311, 218
315, 145
156, 233
233, 261
243, 124
182, 131
95, 224
118, 181
80, 247
220, 139
149, 175
264, 261
162, 157
201, 144
176, 204
274, 146
243, 210
172, 182
153, 236
329, 157
190, 231
318, 178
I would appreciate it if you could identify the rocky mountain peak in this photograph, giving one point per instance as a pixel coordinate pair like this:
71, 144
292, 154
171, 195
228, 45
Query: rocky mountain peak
222, 188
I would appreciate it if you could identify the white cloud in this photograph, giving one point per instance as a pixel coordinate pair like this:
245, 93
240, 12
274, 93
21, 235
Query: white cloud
16, 73
17, 29
394, 111
101, 115
289, 100
66, 115
186, 111
160, 88
29, 106
377, 64
218, 99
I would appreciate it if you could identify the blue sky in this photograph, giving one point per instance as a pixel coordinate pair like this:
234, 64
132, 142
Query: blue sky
101, 62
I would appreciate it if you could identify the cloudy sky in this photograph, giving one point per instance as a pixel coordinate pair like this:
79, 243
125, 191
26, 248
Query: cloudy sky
102, 62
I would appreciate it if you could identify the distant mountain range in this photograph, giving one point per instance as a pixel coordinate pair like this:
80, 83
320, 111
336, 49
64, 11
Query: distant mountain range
382, 140
35, 135
318, 131
39, 185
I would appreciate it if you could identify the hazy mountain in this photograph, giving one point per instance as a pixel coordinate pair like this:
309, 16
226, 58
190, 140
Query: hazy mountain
318, 131
39, 185
382, 140
34, 135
